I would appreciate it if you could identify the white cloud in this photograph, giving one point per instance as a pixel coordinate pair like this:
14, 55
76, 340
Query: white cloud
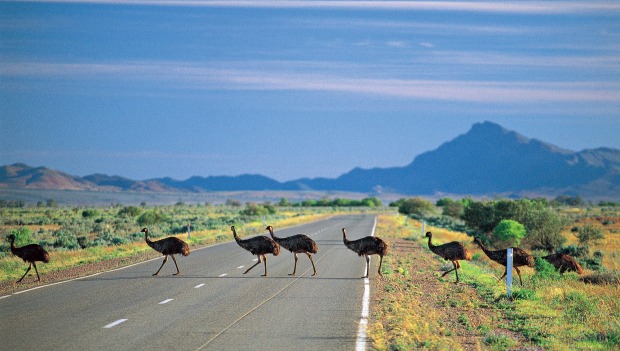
464, 6
272, 77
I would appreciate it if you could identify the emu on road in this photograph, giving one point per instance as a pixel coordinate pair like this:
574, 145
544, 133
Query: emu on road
259, 246
167, 247
298, 243
366, 246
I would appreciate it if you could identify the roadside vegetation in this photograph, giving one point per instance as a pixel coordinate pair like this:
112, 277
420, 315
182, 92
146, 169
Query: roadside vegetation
414, 308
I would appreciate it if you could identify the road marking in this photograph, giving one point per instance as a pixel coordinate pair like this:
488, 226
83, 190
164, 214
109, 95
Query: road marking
222, 275
199, 286
115, 323
240, 267
256, 259
5, 296
361, 340
165, 301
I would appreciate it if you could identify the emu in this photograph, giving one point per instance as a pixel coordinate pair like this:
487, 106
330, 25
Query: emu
564, 263
452, 251
299, 243
520, 258
167, 247
259, 246
30, 253
366, 246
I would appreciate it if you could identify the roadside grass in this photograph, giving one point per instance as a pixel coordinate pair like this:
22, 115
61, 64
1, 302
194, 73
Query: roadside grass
550, 312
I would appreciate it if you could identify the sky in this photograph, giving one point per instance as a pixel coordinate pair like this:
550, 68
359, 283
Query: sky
292, 89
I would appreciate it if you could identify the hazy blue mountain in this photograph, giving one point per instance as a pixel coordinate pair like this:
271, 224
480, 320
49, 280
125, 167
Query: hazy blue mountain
486, 160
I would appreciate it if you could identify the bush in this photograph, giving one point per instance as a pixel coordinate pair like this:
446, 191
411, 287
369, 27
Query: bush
510, 232
544, 269
414, 207
149, 218
23, 236
90, 213
66, 239
129, 211
589, 233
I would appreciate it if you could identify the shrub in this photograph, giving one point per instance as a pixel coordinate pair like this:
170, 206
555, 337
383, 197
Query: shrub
510, 232
149, 218
23, 236
129, 211
589, 234
66, 239
90, 213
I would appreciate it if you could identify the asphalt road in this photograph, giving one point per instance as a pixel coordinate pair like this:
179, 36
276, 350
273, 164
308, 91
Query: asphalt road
211, 306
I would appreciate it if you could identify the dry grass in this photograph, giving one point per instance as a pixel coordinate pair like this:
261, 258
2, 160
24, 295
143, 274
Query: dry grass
414, 308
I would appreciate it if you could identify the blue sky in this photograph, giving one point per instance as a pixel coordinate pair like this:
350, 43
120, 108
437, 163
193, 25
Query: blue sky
293, 89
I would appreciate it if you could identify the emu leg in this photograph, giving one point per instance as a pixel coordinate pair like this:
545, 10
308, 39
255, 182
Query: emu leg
162, 264
367, 266
456, 270
37, 271
259, 261
27, 270
380, 263
505, 273
519, 274
175, 263
295, 268
312, 261
265, 262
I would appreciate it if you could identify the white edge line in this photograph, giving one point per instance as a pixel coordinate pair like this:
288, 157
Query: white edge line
361, 340
115, 323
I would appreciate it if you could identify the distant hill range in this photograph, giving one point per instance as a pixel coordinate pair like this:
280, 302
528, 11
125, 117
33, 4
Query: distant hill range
487, 160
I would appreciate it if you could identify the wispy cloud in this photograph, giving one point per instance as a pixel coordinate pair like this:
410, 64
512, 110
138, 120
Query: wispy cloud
530, 7
184, 76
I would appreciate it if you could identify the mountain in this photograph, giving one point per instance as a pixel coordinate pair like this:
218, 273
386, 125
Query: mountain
487, 160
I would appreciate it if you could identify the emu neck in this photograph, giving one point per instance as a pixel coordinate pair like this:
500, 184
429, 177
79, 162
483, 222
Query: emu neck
430, 244
237, 239
344, 237
273, 236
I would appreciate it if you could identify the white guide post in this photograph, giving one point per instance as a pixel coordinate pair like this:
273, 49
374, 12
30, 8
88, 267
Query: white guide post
189, 229
423, 228
509, 272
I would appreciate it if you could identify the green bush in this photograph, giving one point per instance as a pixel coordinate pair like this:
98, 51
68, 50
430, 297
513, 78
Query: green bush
510, 232
149, 218
66, 239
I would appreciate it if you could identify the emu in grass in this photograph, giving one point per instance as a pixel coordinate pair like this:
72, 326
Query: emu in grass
452, 251
30, 253
167, 247
520, 258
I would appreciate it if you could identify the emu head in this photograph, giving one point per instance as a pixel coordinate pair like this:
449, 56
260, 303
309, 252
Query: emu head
429, 234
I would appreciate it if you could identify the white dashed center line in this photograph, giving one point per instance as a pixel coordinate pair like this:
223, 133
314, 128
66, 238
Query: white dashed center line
165, 301
199, 286
115, 323
240, 267
222, 275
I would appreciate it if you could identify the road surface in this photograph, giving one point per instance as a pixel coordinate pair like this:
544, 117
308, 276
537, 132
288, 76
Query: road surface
211, 306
